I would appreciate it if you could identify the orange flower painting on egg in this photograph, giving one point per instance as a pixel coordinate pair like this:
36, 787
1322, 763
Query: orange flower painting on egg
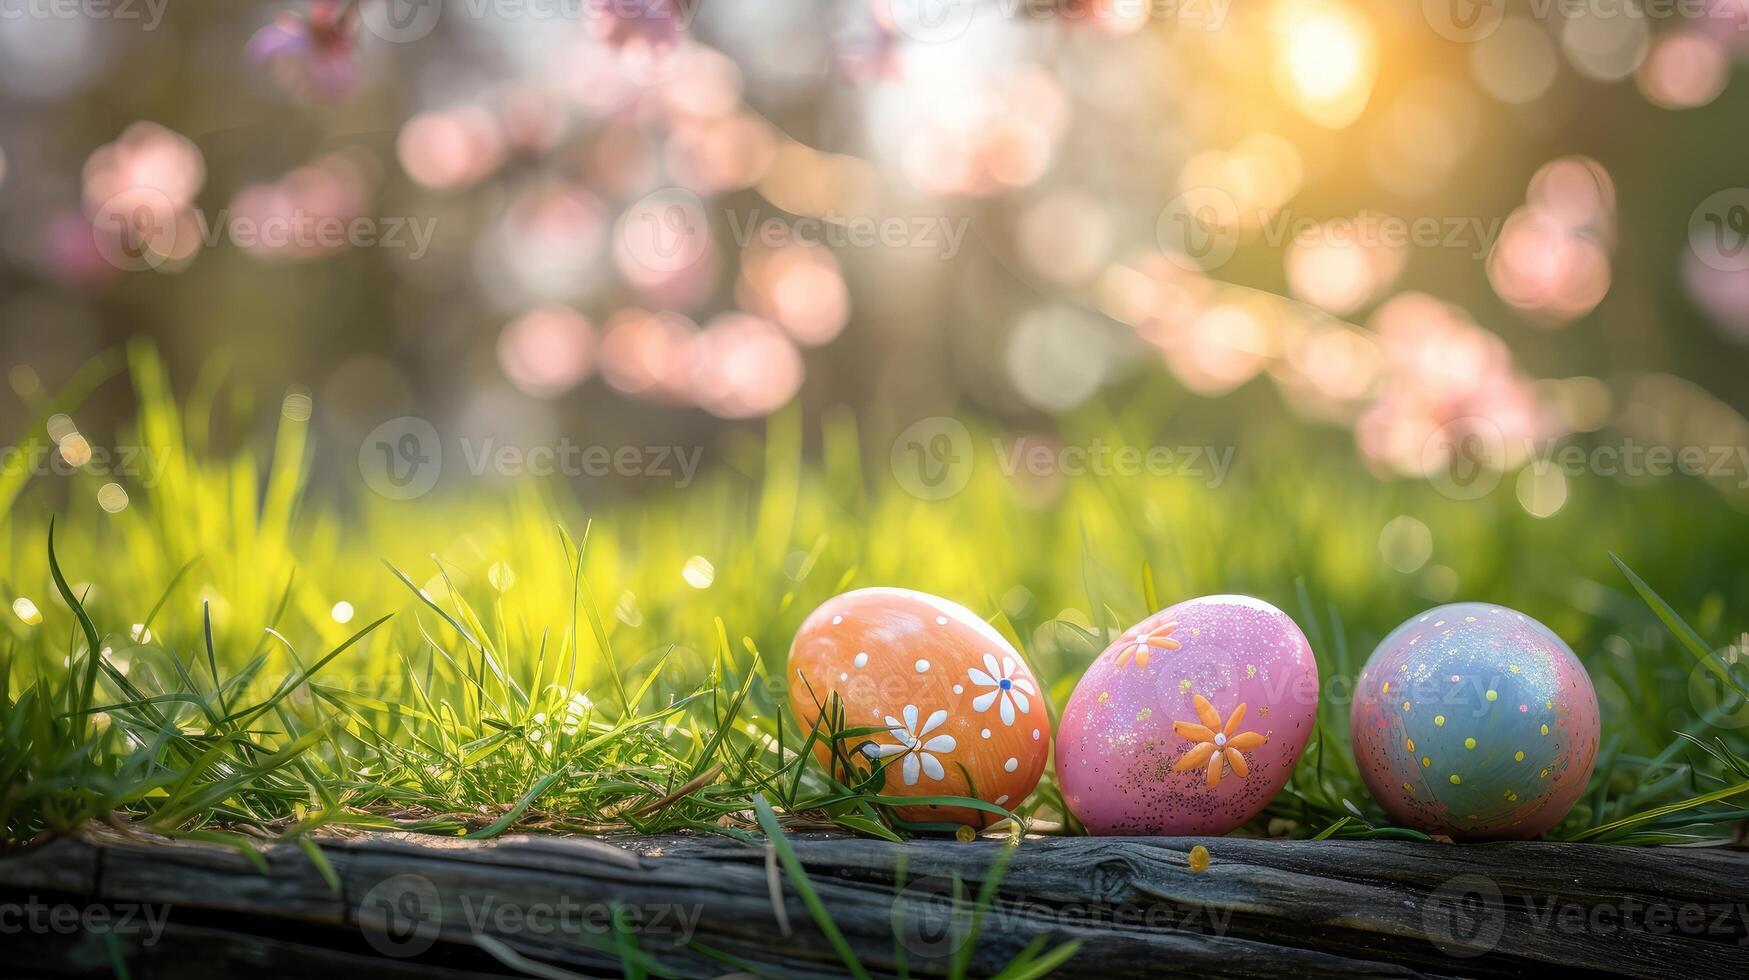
962, 712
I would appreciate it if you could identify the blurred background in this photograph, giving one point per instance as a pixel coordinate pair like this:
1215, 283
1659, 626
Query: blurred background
1410, 230
1058, 308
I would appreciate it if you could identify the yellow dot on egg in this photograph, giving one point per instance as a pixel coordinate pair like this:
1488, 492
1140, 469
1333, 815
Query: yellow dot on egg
1544, 774
1549, 704
1545, 729
1425, 761
1469, 743
1439, 720
1493, 695
1513, 668
1518, 756
1409, 744
1407, 789
965, 835
1104, 696
1387, 688
1405, 706
1456, 779
1199, 859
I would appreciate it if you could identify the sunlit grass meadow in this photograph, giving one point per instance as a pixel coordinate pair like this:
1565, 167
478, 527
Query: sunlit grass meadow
277, 657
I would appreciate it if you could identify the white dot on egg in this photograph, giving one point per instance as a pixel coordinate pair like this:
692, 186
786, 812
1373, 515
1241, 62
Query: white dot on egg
1012, 764
861, 660
1035, 735
837, 619
1002, 800
843, 677
941, 620
922, 666
985, 733
959, 689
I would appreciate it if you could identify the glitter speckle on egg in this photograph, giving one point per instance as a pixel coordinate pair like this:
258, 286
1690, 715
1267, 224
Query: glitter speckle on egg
1475, 721
1191, 722
963, 712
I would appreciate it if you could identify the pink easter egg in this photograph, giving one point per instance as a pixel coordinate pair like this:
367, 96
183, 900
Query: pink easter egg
1475, 721
1191, 722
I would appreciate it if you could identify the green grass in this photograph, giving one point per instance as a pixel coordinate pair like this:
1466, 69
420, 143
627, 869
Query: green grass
522, 661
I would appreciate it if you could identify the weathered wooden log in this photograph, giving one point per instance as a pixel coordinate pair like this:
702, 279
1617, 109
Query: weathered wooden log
699, 905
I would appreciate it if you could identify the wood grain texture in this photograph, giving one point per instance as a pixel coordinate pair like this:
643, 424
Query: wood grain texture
1262, 908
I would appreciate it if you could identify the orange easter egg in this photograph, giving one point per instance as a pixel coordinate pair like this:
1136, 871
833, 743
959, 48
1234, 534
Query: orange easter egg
960, 710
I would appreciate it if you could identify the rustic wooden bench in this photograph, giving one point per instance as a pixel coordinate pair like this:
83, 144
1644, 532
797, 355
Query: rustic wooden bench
408, 905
